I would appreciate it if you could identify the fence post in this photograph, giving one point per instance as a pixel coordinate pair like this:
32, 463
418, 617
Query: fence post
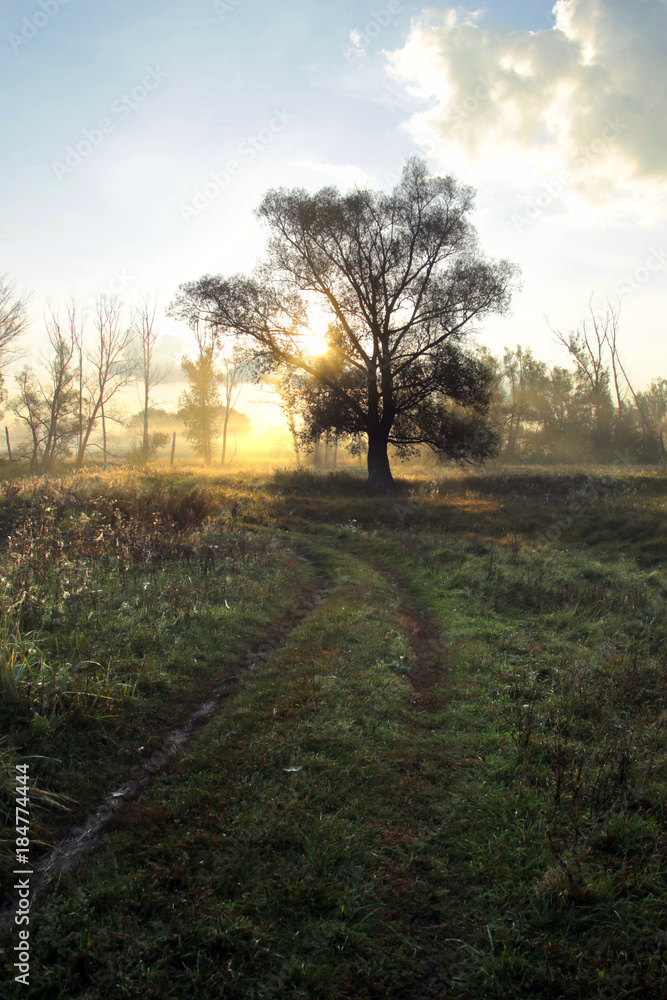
173, 448
9, 450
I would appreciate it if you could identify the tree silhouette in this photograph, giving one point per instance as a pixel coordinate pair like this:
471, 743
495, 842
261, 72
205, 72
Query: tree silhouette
402, 280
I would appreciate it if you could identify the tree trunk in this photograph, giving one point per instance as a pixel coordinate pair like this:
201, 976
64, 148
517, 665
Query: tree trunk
511, 437
295, 445
84, 443
224, 438
144, 444
78, 449
379, 472
206, 435
619, 404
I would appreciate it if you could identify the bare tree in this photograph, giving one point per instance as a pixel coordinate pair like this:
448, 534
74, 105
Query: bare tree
49, 407
111, 370
237, 366
28, 406
587, 347
231, 383
76, 321
646, 426
13, 322
13, 318
609, 324
149, 372
280, 381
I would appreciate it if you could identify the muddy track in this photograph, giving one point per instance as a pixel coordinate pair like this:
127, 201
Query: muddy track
71, 849
424, 634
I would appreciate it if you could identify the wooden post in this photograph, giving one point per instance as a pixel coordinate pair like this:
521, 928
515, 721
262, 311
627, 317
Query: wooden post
9, 450
173, 448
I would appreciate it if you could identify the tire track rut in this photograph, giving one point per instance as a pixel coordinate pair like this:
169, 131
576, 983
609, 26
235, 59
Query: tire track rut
71, 849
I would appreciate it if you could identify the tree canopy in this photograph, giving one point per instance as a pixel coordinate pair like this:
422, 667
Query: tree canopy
402, 282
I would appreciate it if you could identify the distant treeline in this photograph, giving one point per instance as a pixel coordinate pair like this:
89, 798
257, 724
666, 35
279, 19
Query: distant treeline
543, 413
591, 412
530, 411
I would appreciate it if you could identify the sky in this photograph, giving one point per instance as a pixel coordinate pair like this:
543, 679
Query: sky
139, 137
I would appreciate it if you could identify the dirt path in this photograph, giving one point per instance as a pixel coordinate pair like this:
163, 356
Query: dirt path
71, 849
425, 639
424, 634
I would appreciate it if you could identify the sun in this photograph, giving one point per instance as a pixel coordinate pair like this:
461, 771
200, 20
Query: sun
315, 344
314, 335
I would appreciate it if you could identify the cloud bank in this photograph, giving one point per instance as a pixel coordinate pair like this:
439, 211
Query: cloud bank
586, 96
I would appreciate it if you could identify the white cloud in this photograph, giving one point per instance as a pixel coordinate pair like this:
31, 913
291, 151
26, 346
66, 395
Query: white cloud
562, 131
355, 38
587, 96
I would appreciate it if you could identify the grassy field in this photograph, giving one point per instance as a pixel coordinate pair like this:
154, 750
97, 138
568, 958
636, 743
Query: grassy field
445, 775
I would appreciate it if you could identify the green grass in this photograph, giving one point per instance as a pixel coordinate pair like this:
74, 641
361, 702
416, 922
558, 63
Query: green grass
125, 602
376, 812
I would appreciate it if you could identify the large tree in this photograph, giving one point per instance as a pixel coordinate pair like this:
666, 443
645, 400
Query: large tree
402, 280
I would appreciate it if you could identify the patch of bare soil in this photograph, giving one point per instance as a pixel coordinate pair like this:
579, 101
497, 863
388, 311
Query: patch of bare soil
425, 636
